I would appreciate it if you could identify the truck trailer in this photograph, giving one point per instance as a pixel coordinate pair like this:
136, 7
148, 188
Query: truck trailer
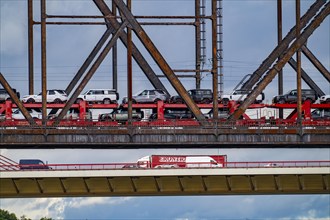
182, 161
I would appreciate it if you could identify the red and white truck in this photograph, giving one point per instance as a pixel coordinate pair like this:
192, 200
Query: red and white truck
176, 161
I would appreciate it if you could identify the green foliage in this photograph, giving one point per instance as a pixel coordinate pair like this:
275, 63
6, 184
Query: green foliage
5, 215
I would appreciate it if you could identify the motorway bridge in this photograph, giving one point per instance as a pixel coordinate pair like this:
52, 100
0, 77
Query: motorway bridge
236, 178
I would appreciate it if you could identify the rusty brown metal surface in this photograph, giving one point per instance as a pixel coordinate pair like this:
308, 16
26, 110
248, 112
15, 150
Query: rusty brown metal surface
158, 58
43, 61
30, 45
112, 137
279, 39
140, 60
256, 76
114, 56
316, 62
129, 68
197, 43
286, 57
298, 57
214, 59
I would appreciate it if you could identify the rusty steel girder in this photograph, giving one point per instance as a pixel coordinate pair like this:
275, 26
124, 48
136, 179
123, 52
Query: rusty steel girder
296, 45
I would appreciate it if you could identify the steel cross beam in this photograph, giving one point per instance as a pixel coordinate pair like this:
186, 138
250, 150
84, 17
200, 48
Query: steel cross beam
138, 57
158, 58
280, 49
316, 62
90, 73
14, 97
296, 45
306, 78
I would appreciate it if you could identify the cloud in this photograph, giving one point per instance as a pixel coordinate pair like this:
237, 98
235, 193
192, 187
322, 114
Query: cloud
86, 202
35, 208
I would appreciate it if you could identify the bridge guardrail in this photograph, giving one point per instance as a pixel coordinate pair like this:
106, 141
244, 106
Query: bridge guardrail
127, 166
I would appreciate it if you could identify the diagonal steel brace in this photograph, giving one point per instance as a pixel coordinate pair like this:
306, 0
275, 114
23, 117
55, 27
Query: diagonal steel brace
14, 97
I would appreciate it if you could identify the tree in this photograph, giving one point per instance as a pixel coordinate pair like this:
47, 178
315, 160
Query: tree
5, 215
23, 217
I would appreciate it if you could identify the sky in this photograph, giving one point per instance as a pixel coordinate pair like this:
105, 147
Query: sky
249, 36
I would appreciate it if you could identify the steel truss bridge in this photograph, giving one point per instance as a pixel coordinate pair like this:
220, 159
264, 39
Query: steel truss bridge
121, 24
237, 178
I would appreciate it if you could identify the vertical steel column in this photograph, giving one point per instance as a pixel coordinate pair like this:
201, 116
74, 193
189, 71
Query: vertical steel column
129, 67
114, 57
214, 59
198, 43
220, 54
43, 61
279, 39
30, 45
298, 54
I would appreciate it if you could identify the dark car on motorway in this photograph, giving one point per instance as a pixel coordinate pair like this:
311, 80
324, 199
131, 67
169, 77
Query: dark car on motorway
33, 164
198, 95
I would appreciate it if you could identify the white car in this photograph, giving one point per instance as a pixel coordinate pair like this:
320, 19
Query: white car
35, 113
239, 96
325, 99
105, 96
53, 96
